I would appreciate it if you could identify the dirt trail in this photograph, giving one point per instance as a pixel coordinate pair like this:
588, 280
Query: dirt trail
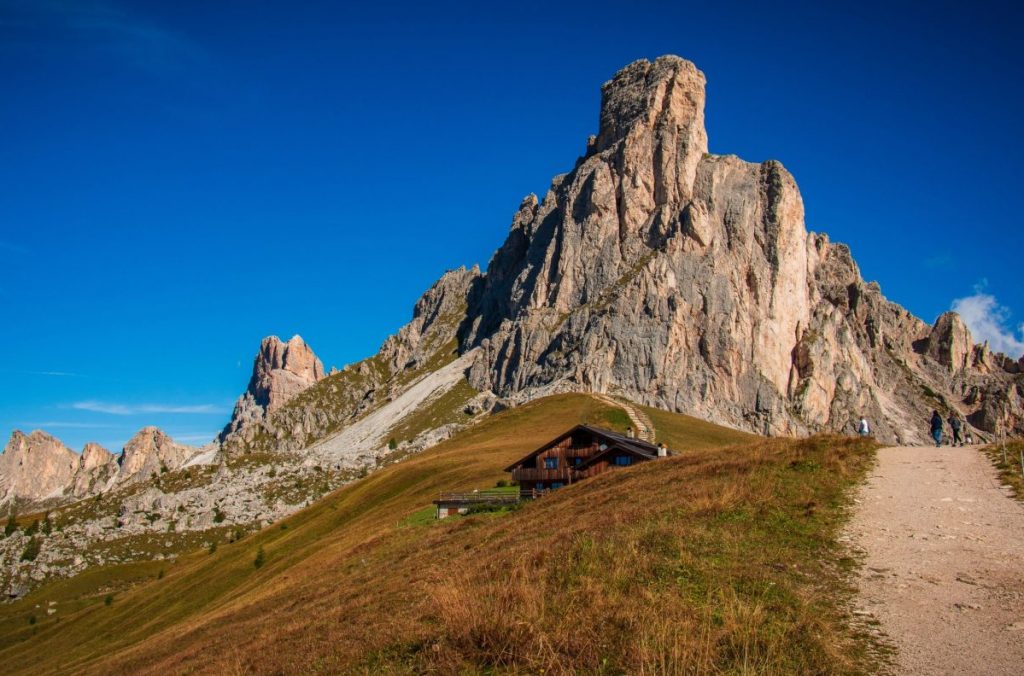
944, 561
642, 424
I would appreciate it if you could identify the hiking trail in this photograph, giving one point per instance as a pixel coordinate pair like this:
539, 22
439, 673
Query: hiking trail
641, 422
943, 573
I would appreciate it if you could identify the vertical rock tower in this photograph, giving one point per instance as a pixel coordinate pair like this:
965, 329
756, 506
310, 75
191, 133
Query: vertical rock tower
280, 371
689, 281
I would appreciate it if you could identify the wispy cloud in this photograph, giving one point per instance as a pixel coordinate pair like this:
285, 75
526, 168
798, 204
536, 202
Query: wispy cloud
136, 409
988, 320
54, 424
58, 374
106, 26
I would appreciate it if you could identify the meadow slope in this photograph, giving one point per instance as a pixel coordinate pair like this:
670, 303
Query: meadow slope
723, 558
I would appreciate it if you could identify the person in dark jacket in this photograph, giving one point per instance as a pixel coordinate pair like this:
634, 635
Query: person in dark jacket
954, 424
937, 428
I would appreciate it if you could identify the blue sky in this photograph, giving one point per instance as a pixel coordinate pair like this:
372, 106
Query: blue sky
178, 180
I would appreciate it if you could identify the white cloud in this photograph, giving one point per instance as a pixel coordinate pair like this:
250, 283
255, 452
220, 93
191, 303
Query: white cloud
128, 409
987, 320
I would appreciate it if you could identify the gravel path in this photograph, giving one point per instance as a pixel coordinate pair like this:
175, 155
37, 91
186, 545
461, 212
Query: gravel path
944, 561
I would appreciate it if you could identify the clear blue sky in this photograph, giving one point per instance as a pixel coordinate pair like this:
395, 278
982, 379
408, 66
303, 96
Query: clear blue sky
178, 180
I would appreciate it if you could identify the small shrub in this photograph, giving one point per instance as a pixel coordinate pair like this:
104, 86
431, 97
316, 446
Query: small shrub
501, 483
260, 558
160, 575
33, 529
213, 547
163, 468
31, 550
47, 524
284, 526
31, 619
218, 515
392, 444
108, 600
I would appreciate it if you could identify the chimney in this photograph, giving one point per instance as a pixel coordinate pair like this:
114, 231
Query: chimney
662, 451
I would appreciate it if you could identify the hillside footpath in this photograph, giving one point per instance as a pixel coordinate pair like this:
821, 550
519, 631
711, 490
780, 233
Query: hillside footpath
943, 571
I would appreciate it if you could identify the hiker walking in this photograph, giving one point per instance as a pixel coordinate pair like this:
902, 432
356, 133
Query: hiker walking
954, 424
937, 428
862, 427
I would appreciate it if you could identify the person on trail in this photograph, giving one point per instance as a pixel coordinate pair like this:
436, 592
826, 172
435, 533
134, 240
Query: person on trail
954, 424
937, 428
862, 427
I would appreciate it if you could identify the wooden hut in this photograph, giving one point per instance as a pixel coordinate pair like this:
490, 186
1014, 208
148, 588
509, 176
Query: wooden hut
582, 452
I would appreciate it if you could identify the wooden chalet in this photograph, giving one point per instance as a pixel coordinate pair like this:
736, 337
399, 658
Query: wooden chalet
582, 452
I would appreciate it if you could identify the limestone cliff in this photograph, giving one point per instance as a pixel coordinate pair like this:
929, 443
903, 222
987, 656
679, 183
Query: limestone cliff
689, 281
35, 467
280, 371
151, 452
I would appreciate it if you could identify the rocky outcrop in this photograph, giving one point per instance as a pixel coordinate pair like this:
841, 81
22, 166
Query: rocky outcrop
435, 322
689, 281
949, 342
35, 467
97, 469
151, 452
38, 467
280, 371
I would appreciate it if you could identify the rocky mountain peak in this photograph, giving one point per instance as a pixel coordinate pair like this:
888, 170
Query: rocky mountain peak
149, 452
94, 455
35, 466
280, 371
656, 112
950, 343
689, 281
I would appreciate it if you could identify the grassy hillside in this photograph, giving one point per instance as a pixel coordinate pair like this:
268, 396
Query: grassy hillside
719, 559
1011, 472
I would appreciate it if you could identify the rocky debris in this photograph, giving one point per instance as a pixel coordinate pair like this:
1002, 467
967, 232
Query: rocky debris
279, 372
35, 467
157, 517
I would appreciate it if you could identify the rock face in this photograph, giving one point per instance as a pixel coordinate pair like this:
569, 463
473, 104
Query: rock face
97, 469
35, 467
38, 467
279, 372
689, 281
680, 279
149, 453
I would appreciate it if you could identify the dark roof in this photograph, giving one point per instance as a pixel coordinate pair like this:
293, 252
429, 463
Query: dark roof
614, 439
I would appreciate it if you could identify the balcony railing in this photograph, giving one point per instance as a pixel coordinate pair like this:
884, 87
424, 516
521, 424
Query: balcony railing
534, 474
481, 497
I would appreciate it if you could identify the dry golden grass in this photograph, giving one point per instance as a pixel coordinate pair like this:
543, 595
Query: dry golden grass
1006, 456
718, 561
